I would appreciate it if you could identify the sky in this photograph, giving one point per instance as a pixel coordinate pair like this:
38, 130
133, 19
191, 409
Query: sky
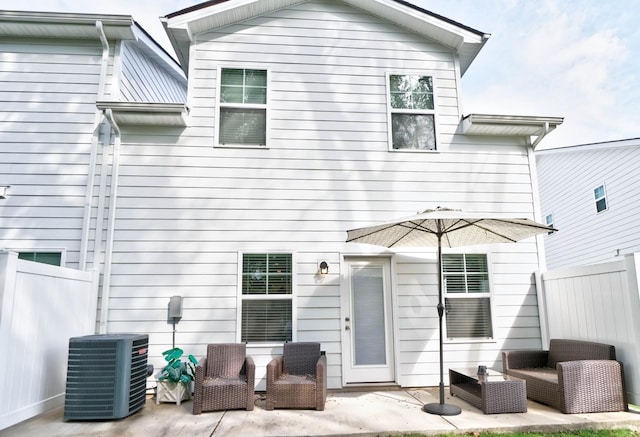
577, 59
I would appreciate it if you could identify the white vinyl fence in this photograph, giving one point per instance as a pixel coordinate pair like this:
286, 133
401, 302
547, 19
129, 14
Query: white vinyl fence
41, 307
599, 303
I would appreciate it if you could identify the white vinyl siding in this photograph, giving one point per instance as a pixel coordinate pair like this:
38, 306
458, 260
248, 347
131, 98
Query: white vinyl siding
185, 208
48, 90
143, 80
568, 178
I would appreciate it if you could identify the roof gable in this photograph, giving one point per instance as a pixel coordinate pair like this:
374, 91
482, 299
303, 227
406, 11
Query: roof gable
183, 25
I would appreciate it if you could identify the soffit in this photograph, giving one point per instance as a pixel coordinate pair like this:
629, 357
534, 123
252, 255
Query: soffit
508, 125
146, 114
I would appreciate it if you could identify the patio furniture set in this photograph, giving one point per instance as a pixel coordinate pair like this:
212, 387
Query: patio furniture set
225, 378
573, 376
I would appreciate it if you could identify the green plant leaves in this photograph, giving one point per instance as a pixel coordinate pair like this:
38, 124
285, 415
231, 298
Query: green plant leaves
177, 370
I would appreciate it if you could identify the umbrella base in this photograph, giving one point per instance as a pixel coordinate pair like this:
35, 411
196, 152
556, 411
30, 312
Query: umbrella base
442, 409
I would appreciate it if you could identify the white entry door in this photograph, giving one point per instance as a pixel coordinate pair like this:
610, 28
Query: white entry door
367, 321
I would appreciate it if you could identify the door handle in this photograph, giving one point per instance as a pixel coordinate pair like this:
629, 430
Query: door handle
347, 328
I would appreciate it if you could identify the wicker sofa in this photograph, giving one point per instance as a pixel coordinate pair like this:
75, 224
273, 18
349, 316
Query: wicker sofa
573, 376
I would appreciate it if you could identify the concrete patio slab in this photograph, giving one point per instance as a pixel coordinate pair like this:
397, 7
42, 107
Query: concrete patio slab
365, 413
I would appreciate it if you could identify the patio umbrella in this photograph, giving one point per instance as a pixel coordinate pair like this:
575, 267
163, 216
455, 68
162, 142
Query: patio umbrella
439, 228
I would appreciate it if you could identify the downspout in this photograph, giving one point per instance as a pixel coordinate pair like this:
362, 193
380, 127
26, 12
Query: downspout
113, 197
91, 174
542, 262
543, 133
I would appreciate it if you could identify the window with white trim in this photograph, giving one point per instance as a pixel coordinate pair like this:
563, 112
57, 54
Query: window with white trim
467, 296
267, 290
601, 198
549, 221
53, 258
412, 112
242, 101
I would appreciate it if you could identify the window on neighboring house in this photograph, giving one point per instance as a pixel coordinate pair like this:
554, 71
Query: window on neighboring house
53, 258
467, 296
549, 221
242, 107
601, 198
412, 112
267, 290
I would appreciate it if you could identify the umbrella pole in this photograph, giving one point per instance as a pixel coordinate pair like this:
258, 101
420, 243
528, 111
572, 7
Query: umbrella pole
441, 408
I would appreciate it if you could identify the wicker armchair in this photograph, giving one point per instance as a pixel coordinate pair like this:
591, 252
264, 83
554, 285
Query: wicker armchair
225, 379
297, 379
573, 376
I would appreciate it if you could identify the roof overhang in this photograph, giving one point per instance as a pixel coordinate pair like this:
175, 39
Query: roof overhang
509, 126
183, 25
147, 114
26, 24
63, 25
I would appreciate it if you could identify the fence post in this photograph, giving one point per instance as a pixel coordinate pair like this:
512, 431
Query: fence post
542, 308
8, 267
632, 369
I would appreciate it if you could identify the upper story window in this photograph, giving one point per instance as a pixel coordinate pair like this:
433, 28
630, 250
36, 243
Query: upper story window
601, 198
412, 112
548, 219
242, 119
267, 291
467, 296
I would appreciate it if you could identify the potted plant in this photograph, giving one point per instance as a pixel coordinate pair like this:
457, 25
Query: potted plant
174, 381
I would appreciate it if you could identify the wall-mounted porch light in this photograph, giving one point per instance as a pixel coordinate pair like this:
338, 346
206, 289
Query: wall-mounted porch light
3, 192
323, 267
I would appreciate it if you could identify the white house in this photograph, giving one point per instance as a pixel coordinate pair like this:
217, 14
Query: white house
590, 193
53, 69
303, 119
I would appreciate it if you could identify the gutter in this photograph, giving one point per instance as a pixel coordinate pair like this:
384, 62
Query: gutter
113, 197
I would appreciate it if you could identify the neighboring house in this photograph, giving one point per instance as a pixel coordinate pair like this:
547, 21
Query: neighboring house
306, 119
589, 192
53, 69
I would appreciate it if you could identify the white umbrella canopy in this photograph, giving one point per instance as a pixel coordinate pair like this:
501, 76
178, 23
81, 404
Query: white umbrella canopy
455, 228
449, 228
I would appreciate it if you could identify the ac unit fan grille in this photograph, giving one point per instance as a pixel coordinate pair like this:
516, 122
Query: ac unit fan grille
106, 376
137, 393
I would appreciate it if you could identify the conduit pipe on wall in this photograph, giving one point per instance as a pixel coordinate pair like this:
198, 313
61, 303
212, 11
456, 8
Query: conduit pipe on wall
113, 198
97, 122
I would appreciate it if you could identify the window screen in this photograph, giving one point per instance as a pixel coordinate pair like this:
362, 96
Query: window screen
243, 107
266, 297
467, 297
412, 112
